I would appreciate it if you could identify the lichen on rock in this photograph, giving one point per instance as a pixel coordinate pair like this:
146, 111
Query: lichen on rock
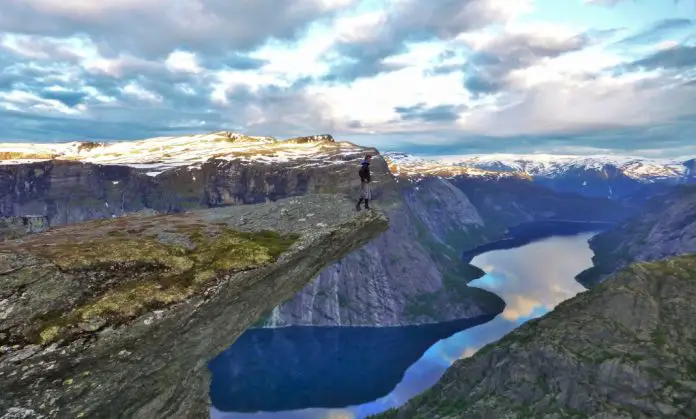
130, 267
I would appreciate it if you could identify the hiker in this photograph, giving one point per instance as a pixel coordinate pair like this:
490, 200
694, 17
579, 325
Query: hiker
365, 193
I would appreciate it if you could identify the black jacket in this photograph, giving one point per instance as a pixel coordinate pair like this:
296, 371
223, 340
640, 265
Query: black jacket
364, 172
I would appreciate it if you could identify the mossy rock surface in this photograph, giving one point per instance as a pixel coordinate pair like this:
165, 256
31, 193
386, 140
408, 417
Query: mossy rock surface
130, 266
118, 318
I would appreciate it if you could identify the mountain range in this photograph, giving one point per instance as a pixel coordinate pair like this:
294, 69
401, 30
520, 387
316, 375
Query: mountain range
188, 201
613, 177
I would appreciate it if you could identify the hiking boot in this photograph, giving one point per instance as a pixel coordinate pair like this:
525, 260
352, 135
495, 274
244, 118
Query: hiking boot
367, 205
357, 206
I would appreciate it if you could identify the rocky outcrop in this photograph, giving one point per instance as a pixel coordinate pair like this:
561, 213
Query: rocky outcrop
665, 226
624, 349
119, 317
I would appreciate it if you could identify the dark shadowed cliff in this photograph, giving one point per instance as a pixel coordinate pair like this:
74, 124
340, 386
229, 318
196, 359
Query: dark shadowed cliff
665, 226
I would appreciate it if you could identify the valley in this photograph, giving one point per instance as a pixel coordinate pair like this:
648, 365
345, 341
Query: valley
354, 372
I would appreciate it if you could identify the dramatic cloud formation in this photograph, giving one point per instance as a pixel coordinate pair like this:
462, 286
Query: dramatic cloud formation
449, 76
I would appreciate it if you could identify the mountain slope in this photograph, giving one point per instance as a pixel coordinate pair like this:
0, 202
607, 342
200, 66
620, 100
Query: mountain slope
665, 226
624, 349
119, 318
549, 165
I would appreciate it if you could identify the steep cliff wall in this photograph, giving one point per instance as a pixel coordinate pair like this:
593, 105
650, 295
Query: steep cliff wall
665, 226
412, 274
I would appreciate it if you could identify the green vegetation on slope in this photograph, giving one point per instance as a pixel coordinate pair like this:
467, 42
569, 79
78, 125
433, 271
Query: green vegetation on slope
139, 269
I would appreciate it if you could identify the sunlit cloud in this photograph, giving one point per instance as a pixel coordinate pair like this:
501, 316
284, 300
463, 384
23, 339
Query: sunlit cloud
474, 76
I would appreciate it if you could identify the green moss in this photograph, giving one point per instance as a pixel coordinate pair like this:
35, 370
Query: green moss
49, 334
163, 275
114, 249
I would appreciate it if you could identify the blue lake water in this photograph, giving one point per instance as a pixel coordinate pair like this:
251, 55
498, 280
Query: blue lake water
532, 279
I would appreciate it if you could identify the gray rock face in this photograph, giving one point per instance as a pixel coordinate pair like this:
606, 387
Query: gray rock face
413, 273
665, 227
15, 227
406, 276
624, 349
70, 192
118, 318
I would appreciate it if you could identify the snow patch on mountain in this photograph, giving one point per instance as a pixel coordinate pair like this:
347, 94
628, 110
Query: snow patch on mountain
550, 165
159, 154
416, 168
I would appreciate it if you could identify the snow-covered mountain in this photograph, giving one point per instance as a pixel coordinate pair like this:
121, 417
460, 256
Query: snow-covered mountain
160, 154
605, 176
549, 165
597, 175
416, 168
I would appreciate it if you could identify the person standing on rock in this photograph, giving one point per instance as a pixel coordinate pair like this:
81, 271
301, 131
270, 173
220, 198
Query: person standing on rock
365, 177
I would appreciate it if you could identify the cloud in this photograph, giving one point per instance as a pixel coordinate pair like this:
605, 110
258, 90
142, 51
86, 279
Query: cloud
364, 47
446, 76
657, 31
155, 28
495, 58
677, 57
603, 2
421, 112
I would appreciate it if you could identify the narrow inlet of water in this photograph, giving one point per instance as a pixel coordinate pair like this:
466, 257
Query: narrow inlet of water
532, 279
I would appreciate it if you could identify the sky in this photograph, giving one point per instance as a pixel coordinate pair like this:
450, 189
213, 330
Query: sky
421, 76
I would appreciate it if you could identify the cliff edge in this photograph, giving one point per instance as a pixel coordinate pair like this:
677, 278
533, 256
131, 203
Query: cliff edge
119, 317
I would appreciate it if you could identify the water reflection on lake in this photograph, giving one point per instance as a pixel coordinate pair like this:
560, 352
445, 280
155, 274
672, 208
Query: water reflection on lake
532, 279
